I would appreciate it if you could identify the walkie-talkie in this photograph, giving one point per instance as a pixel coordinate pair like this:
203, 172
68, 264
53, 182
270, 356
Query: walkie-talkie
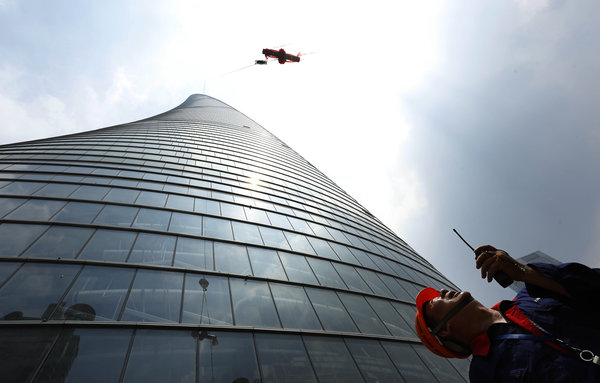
500, 276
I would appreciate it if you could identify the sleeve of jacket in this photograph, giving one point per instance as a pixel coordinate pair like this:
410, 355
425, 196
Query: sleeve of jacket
581, 282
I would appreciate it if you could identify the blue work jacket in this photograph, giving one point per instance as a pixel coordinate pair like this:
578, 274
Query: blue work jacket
574, 319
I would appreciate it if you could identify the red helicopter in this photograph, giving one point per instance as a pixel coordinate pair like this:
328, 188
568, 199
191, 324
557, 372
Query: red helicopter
281, 55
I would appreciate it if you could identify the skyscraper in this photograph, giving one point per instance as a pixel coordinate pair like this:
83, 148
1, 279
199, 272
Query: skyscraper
195, 246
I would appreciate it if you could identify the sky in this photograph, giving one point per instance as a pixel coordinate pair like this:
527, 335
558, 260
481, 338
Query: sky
479, 116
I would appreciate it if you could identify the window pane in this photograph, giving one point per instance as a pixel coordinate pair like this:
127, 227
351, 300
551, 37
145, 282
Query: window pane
151, 199
227, 357
22, 349
9, 204
78, 212
372, 361
212, 306
97, 294
217, 228
245, 232
294, 308
36, 210
395, 287
95, 193
322, 248
186, 223
364, 258
351, 277
6, 270
34, 291
180, 202
252, 303
274, 238
155, 297
297, 268
279, 220
56, 190
194, 254
344, 253
283, 359
408, 363
440, 367
116, 215
232, 211
232, 258
14, 237
363, 315
206, 206
299, 243
266, 263
22, 188
326, 273
331, 360
152, 219
390, 317
60, 242
162, 356
330, 310
256, 215
407, 312
375, 283
94, 355
121, 195
108, 245
153, 249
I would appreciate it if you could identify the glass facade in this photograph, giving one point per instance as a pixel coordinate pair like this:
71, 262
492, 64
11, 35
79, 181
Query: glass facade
195, 246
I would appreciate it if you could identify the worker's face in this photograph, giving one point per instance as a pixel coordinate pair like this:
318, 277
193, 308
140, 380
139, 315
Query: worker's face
438, 307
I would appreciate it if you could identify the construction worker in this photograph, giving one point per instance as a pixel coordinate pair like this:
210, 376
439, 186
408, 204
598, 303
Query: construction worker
549, 333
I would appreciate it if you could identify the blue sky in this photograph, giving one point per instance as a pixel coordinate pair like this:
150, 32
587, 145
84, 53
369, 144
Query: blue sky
476, 115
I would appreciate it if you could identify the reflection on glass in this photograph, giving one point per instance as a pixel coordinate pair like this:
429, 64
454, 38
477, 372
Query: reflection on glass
9, 204
279, 220
407, 362
395, 287
180, 202
330, 310
326, 273
22, 188
322, 248
407, 312
363, 315
232, 211
227, 357
331, 360
15, 237
266, 263
245, 232
86, 355
390, 317
206, 206
344, 253
194, 254
155, 297
217, 228
116, 215
152, 219
186, 223
109, 246
274, 237
95, 193
375, 283
22, 349
6, 269
297, 268
252, 303
56, 190
60, 242
231, 258
153, 249
283, 359
299, 243
208, 301
34, 291
78, 212
36, 210
351, 277
162, 356
372, 361
440, 367
256, 215
151, 199
294, 308
101, 288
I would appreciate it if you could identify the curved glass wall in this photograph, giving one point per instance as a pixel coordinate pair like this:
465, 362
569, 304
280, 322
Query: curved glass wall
195, 246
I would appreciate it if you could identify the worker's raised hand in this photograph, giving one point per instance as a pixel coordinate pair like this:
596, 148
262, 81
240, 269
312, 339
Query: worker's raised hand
491, 260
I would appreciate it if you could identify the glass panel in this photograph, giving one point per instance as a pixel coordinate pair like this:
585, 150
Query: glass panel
330, 310
121, 195
407, 362
294, 308
194, 254
297, 268
210, 306
34, 291
256, 215
363, 315
227, 357
95, 193
390, 317
78, 212
151, 199
253, 304
9, 204
407, 312
152, 219
266, 263
155, 297
274, 238
116, 215
162, 356
98, 294
56, 190
344, 253
331, 360
86, 355
231, 258
232, 211
299, 243
15, 237
351, 277
22, 188
22, 349
206, 206
326, 273
283, 359
153, 249
245, 232
364, 258
217, 228
375, 283
372, 361
6, 270
440, 367
395, 287
109, 245
322, 248
279, 220
180, 202
319, 230
186, 223
36, 210
60, 242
